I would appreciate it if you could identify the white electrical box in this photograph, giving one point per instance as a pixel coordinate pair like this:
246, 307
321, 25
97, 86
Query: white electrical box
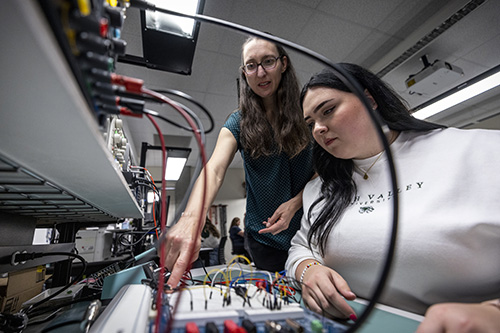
95, 244
433, 79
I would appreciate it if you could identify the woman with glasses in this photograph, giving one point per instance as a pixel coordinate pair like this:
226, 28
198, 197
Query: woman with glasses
275, 146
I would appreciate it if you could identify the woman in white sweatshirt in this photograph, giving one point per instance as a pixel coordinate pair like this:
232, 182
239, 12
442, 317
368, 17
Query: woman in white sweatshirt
448, 245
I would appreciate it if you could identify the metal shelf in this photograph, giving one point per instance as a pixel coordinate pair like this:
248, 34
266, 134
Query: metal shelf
24, 193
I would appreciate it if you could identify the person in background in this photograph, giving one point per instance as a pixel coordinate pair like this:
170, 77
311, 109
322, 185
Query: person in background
237, 238
446, 263
275, 146
210, 238
246, 245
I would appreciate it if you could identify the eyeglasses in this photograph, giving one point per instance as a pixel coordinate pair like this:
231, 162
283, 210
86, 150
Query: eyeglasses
267, 64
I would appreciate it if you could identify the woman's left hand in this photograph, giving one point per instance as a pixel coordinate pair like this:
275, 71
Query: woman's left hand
461, 318
281, 217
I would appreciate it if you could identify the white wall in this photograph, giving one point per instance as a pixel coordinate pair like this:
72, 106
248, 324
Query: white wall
235, 208
232, 194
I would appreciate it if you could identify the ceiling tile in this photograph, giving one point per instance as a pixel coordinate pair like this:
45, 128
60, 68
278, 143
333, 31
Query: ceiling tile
309, 3
368, 13
331, 36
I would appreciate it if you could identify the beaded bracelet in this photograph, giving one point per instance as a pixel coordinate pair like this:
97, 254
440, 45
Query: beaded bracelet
306, 268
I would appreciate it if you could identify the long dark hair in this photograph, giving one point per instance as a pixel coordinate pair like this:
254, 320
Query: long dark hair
235, 221
290, 133
338, 188
211, 228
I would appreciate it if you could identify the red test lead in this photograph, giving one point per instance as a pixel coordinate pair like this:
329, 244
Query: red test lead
130, 84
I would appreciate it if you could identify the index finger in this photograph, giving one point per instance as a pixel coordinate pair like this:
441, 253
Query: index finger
273, 219
274, 229
180, 266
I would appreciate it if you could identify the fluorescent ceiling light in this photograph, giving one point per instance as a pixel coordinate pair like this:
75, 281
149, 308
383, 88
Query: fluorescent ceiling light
176, 159
182, 26
458, 97
175, 165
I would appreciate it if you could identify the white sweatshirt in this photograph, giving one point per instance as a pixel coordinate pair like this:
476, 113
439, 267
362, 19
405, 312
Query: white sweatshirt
448, 245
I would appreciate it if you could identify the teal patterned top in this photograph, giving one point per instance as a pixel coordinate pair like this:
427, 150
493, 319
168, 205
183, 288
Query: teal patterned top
271, 181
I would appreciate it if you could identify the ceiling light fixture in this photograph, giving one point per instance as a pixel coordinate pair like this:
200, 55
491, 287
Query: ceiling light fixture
168, 41
176, 159
181, 26
476, 86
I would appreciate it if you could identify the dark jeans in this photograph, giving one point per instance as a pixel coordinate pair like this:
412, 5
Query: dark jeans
214, 257
242, 252
266, 257
206, 259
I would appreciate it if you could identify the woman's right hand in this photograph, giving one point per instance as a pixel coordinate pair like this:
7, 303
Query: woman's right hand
183, 240
324, 290
182, 245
